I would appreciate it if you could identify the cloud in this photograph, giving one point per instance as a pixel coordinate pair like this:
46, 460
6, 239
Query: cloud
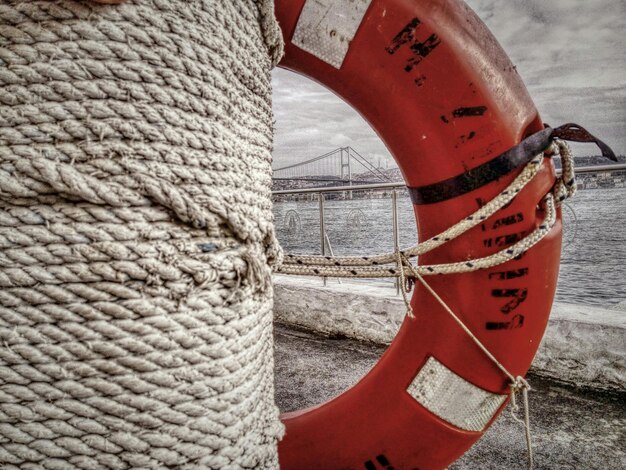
310, 121
572, 57
570, 53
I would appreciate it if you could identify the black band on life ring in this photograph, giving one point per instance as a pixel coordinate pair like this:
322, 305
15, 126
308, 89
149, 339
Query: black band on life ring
485, 173
503, 164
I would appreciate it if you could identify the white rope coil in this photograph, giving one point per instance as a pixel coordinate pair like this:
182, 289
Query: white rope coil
135, 231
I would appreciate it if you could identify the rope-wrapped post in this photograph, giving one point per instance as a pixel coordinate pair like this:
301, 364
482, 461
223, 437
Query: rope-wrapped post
136, 234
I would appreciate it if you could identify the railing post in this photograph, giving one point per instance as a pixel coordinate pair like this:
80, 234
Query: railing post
322, 228
396, 231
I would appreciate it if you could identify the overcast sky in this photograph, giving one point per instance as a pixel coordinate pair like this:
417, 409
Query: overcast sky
570, 53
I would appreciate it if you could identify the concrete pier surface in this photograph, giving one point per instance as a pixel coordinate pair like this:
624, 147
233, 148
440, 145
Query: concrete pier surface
583, 344
573, 428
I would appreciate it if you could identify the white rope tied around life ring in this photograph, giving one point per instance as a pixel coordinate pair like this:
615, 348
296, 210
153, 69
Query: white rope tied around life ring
564, 188
369, 266
291, 262
517, 384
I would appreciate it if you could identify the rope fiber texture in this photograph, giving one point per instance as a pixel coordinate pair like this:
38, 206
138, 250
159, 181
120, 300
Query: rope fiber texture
136, 235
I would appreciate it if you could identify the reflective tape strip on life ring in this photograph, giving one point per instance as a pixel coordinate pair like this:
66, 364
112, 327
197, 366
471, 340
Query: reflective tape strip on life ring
443, 96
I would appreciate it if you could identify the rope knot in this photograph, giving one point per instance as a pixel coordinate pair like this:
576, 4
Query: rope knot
519, 384
565, 185
404, 281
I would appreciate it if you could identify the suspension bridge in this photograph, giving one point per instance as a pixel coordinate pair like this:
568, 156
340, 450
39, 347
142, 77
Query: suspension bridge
342, 166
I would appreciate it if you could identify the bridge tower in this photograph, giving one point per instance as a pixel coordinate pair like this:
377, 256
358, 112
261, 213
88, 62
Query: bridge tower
346, 169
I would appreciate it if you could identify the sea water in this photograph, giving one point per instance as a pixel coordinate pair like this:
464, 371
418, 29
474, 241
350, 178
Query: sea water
593, 262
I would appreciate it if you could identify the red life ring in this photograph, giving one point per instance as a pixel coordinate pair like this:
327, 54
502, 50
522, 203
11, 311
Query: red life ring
445, 99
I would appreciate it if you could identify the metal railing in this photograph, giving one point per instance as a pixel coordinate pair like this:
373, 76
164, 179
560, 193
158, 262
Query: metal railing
320, 191
400, 184
337, 189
